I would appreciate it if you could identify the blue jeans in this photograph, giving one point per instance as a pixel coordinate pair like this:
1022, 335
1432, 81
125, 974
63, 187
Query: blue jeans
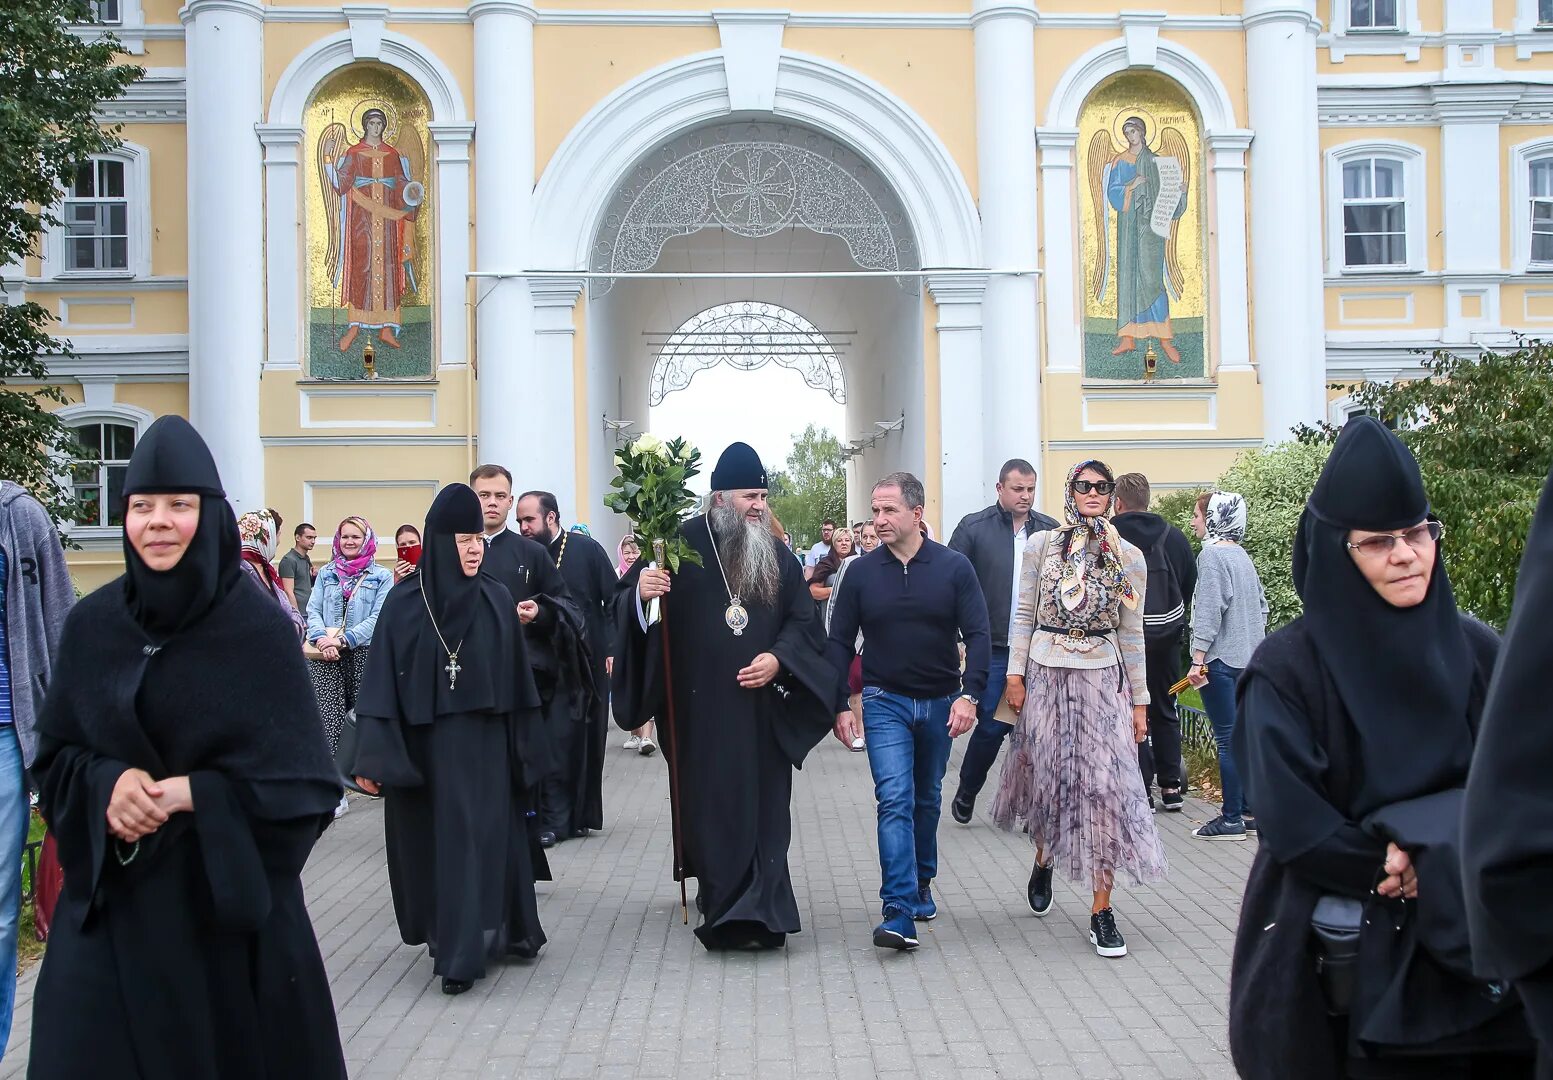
1218, 697
908, 750
14, 814
981, 750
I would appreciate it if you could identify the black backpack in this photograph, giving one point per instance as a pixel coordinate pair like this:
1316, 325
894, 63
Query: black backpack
1164, 608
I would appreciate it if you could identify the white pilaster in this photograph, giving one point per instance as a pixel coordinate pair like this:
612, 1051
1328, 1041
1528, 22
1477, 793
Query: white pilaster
552, 463
1060, 271
1470, 115
512, 423
225, 48
1289, 337
285, 309
1227, 162
1005, 160
452, 191
966, 484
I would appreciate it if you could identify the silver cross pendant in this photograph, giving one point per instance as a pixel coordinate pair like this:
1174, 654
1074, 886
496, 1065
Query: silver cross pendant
452, 669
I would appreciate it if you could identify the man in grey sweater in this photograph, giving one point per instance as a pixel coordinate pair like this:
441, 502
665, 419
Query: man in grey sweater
35, 597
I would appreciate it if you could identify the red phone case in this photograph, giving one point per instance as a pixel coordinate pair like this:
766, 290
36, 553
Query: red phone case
410, 553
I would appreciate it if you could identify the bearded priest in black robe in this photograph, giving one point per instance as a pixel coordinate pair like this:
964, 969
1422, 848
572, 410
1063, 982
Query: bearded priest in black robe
447, 716
752, 696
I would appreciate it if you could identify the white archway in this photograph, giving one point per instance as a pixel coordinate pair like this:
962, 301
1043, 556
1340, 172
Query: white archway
282, 135
1226, 146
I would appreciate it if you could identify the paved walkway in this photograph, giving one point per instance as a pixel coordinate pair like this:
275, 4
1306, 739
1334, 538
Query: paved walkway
622, 990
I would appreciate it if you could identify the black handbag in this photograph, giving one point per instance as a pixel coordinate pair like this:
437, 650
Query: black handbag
1334, 934
345, 753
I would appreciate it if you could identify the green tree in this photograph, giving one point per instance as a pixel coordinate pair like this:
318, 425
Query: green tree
812, 487
51, 82
1482, 430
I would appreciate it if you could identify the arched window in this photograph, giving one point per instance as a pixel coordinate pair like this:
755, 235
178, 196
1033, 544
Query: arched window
1376, 208
99, 480
746, 335
1531, 206
105, 219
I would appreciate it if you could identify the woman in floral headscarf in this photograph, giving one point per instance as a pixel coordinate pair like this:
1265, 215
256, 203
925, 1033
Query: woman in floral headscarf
260, 532
341, 615
1076, 681
1229, 620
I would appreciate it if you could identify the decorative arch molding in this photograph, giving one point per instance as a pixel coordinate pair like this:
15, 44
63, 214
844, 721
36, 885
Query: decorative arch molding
1168, 58
110, 413
597, 157
282, 136
746, 335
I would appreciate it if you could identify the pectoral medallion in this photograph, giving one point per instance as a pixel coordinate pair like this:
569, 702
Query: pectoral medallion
736, 617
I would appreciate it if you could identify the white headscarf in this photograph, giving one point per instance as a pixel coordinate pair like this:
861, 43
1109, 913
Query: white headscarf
1225, 517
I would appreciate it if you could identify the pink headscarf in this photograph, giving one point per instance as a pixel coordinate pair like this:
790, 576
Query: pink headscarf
349, 571
622, 564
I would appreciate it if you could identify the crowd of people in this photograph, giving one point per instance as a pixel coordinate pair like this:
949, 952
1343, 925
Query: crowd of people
192, 726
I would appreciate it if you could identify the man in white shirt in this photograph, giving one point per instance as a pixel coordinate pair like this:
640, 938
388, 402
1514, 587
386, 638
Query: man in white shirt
819, 550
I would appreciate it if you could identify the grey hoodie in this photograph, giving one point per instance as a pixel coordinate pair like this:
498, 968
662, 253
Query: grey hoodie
38, 596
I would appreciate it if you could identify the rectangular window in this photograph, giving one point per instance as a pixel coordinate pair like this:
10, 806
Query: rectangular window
99, 483
1374, 213
1373, 14
96, 217
1542, 210
106, 11
1545, 13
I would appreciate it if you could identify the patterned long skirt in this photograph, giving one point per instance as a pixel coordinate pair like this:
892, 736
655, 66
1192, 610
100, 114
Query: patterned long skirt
1071, 778
335, 683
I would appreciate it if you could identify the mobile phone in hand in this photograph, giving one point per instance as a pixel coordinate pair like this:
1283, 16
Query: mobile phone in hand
410, 553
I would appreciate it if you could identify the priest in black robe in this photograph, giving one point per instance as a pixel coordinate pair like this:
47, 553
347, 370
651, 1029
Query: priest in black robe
572, 798
1507, 823
752, 696
447, 714
553, 627
184, 773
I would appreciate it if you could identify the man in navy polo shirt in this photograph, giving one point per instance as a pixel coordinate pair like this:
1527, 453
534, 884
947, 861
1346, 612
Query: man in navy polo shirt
914, 600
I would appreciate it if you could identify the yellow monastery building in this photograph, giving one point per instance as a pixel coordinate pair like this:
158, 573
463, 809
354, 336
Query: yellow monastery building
993, 228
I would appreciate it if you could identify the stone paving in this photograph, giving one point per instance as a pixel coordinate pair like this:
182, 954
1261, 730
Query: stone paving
622, 990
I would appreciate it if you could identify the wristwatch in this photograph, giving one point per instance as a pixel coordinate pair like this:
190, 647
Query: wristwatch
971, 698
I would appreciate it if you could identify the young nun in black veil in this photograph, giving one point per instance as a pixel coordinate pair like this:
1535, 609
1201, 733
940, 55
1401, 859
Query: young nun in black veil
447, 716
1357, 727
185, 776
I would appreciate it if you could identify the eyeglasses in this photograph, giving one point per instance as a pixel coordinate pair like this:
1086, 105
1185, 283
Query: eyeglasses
1084, 487
1380, 546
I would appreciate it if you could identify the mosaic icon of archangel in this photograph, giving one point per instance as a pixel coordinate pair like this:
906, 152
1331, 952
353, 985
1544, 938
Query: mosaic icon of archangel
373, 189
1145, 190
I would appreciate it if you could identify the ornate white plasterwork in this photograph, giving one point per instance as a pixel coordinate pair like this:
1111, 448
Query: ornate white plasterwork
746, 336
752, 179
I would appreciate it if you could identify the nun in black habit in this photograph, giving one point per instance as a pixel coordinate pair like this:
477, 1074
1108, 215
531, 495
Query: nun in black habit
1507, 826
1357, 727
447, 718
184, 773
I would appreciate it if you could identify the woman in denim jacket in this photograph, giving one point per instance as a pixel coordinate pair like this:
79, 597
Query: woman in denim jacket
341, 615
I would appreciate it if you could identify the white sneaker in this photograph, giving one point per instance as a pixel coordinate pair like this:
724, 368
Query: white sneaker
633, 743
344, 807
648, 748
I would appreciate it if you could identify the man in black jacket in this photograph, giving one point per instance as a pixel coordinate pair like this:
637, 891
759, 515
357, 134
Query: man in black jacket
994, 541
1172, 580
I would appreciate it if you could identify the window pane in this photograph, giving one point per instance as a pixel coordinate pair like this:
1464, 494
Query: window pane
90, 436
81, 254
115, 507
112, 179
83, 184
1545, 11
1542, 177
117, 219
1542, 247
1386, 12
1361, 249
1356, 180
1541, 211
92, 497
117, 256
1361, 13
1374, 218
81, 217
1388, 179
121, 442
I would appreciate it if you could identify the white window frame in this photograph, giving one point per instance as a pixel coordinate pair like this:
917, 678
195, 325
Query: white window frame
80, 415
1400, 27
130, 28
1521, 157
137, 193
1415, 181
1405, 39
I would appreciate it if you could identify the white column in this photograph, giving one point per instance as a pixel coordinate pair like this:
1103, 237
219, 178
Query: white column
452, 144
1005, 165
1289, 338
967, 485
283, 266
551, 463
225, 48
512, 422
1060, 272
1227, 160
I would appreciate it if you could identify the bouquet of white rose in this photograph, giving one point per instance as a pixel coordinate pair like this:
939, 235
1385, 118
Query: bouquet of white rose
651, 489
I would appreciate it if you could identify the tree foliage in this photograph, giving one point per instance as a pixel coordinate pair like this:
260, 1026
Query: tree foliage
812, 487
51, 82
1482, 430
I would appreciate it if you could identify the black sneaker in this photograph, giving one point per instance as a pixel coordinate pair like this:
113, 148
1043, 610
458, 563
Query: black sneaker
898, 931
1220, 828
1039, 892
1104, 935
1172, 801
963, 807
927, 911
1249, 822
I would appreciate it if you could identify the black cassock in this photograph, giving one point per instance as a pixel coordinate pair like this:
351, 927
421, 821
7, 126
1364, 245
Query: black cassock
191, 954
579, 777
735, 748
558, 651
455, 783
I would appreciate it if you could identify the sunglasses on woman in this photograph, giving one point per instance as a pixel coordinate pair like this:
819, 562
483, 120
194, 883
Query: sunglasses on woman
1416, 537
1084, 487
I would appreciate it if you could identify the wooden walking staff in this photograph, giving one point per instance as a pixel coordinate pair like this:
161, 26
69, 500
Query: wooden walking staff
673, 742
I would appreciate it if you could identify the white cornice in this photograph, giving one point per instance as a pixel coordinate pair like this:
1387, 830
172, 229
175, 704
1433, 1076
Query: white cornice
160, 97
162, 283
